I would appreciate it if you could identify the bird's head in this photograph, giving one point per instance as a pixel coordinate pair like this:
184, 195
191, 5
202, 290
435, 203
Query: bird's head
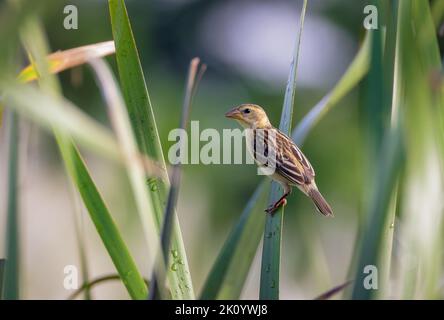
249, 116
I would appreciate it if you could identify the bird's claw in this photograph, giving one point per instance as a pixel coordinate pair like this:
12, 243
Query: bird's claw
272, 209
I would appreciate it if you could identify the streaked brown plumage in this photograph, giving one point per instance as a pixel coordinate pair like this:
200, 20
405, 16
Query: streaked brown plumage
291, 167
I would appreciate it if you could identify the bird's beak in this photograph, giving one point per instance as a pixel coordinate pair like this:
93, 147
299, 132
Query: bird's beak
233, 114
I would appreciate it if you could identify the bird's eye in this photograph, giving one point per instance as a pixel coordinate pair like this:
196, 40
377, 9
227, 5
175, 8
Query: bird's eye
247, 110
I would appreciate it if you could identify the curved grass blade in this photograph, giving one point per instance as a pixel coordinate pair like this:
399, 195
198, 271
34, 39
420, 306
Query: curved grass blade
354, 74
36, 45
103, 220
127, 143
248, 224
88, 285
330, 293
158, 278
271, 254
143, 123
63, 60
12, 266
60, 114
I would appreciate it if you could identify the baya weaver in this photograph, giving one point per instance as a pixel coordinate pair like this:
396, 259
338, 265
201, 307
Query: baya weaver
291, 167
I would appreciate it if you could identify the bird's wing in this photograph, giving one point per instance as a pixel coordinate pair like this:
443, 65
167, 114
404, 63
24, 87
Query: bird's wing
290, 162
297, 153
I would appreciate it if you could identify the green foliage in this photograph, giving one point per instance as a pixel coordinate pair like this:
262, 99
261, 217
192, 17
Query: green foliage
76, 168
144, 126
12, 265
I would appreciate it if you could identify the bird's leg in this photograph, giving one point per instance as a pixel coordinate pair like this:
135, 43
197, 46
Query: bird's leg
281, 202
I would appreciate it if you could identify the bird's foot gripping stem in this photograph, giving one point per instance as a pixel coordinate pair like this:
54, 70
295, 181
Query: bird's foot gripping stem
281, 202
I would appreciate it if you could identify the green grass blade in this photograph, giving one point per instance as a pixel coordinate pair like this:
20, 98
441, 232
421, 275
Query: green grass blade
103, 221
237, 254
80, 238
88, 285
128, 146
271, 254
63, 116
354, 74
392, 101
12, 268
422, 233
376, 246
78, 171
389, 167
157, 280
2, 276
143, 123
230, 257
438, 13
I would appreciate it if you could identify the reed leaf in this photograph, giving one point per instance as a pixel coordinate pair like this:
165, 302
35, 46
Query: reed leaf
12, 266
2, 277
157, 280
421, 266
61, 115
229, 272
271, 254
128, 146
35, 43
141, 114
389, 166
375, 248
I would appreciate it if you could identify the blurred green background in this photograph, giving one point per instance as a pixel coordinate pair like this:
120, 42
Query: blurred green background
247, 46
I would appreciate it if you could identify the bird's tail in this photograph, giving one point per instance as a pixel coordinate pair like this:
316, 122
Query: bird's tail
319, 201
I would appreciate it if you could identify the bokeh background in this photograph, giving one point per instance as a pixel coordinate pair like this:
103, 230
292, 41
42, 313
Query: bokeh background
247, 46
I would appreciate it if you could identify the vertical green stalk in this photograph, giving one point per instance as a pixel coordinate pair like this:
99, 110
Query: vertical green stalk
143, 122
11, 290
80, 235
2, 276
157, 280
271, 254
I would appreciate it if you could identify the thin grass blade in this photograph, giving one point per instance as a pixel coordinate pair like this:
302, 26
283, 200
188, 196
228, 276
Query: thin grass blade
330, 293
93, 283
60, 114
128, 146
229, 272
271, 254
389, 167
2, 277
103, 221
141, 114
158, 279
12, 267
354, 74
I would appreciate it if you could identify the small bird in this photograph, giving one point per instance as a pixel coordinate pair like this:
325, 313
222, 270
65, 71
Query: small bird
291, 167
